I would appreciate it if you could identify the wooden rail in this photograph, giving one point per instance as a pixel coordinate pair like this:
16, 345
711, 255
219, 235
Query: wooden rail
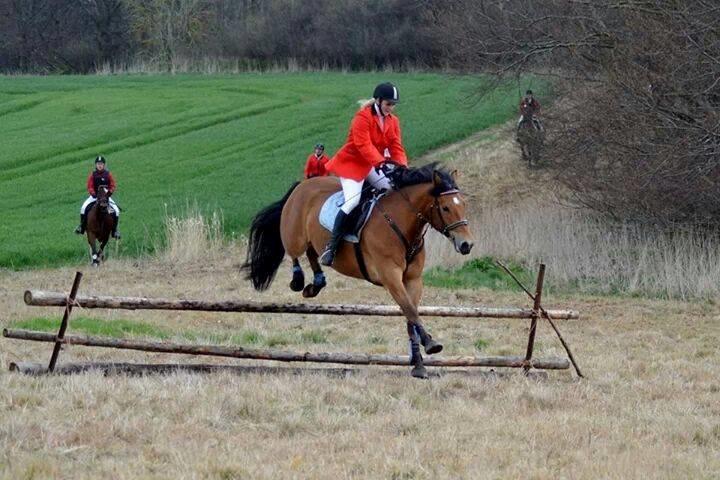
285, 355
53, 299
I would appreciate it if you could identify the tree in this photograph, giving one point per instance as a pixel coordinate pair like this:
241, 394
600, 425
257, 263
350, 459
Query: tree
167, 30
637, 135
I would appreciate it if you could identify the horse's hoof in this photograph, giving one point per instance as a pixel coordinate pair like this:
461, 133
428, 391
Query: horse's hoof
296, 284
432, 347
419, 371
310, 291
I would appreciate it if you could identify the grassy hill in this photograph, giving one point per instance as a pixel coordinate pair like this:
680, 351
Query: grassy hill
232, 143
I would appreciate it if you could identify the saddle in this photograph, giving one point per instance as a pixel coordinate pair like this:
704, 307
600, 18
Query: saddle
358, 217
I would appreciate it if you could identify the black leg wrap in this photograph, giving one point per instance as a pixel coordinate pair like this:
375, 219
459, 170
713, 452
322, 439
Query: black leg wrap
298, 280
416, 361
431, 346
415, 355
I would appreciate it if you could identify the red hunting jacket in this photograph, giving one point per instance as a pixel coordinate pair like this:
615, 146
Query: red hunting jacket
532, 107
315, 167
366, 143
100, 178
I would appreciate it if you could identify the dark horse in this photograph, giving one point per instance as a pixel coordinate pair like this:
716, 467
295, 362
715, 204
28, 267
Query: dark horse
100, 223
530, 136
391, 245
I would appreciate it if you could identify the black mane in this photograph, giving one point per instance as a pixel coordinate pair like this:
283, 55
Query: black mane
413, 176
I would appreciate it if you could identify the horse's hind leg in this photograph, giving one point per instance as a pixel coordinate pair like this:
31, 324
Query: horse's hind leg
312, 289
298, 276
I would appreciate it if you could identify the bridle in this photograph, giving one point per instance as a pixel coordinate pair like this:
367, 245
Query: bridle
419, 241
446, 228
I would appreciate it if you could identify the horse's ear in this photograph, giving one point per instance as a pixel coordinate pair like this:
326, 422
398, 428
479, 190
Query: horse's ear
455, 174
437, 179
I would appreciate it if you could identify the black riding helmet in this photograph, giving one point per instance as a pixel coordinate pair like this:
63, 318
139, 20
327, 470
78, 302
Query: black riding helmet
320, 146
100, 159
387, 91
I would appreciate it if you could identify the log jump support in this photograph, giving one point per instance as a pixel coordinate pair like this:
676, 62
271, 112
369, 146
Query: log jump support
50, 299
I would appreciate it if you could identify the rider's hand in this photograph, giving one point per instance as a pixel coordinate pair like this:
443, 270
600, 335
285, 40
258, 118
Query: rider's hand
388, 166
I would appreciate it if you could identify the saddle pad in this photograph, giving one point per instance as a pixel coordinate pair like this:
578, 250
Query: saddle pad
358, 218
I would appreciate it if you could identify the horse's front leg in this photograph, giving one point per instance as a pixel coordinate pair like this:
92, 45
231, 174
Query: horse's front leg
101, 252
92, 241
414, 285
392, 279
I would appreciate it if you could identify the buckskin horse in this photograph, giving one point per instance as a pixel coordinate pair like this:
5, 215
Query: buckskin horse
391, 249
100, 222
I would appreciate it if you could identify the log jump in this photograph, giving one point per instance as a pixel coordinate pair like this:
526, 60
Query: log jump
41, 298
284, 355
53, 299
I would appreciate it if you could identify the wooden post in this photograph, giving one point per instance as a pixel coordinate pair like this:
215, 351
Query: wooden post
64, 323
549, 318
535, 314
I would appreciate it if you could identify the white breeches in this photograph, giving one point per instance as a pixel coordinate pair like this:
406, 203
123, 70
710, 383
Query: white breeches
352, 189
91, 199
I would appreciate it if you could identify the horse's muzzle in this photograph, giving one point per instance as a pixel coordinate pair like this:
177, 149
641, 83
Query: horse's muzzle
462, 246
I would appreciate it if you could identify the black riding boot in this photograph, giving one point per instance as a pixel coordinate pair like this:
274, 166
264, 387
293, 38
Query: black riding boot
83, 224
328, 255
115, 234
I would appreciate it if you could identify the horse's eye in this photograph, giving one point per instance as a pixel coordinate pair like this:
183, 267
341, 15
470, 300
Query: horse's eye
446, 209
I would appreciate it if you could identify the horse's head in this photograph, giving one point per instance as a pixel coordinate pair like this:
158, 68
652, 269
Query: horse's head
102, 197
447, 214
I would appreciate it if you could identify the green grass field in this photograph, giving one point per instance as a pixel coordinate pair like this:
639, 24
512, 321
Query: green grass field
229, 143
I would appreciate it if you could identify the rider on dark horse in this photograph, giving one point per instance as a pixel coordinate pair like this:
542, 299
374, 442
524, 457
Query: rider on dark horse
529, 108
97, 178
374, 134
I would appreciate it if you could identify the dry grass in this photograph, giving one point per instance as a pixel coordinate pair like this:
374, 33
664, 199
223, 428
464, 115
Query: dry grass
515, 216
191, 237
649, 409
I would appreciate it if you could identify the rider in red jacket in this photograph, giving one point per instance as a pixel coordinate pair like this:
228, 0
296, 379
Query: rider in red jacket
529, 107
99, 176
315, 165
374, 133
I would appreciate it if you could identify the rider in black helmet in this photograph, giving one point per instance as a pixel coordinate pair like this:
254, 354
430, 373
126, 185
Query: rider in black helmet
529, 107
99, 176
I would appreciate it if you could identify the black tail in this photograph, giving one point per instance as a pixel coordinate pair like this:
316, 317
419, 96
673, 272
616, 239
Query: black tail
265, 249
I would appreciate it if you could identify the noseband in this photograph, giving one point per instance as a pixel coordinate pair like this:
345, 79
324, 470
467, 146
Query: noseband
447, 228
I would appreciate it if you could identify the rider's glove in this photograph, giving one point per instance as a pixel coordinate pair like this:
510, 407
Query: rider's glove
388, 167
392, 171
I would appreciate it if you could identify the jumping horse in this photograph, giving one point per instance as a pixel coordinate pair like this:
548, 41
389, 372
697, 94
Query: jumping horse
391, 249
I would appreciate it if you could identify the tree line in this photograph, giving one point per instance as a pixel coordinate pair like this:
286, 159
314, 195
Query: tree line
80, 36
